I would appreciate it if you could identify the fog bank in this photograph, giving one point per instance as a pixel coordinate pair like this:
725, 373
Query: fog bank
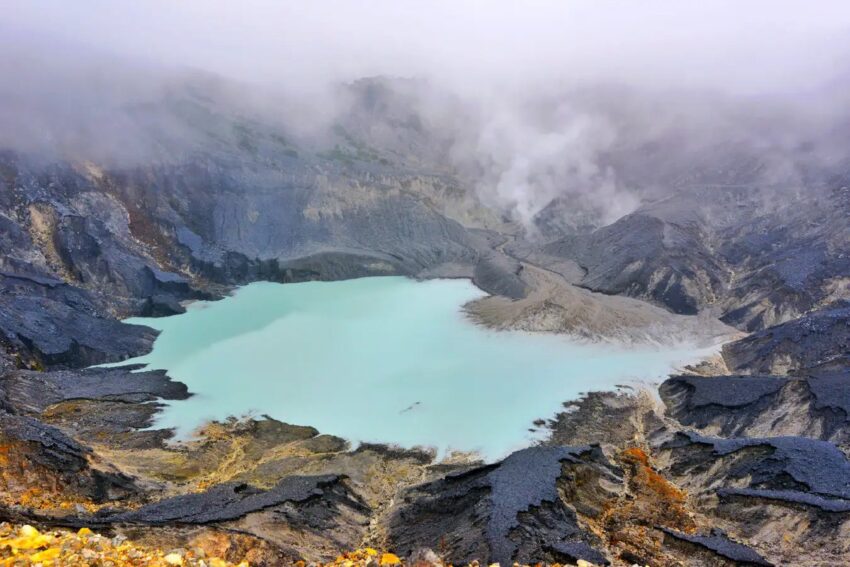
530, 103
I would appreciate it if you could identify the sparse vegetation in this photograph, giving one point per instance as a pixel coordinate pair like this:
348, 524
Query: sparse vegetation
352, 150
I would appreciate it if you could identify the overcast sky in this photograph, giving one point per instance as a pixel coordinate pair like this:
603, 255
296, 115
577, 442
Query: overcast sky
748, 46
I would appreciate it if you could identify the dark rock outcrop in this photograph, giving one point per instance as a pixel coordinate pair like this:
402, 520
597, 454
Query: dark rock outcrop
816, 406
792, 470
718, 542
57, 325
817, 341
106, 404
726, 391
232, 501
38, 456
32, 392
56, 451
504, 512
789, 497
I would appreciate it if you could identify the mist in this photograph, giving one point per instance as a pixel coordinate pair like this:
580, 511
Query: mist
528, 103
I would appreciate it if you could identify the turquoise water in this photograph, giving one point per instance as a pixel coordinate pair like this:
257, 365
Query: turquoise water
384, 359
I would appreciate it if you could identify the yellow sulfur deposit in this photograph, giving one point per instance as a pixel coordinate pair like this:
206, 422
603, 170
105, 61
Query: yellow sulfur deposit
26, 545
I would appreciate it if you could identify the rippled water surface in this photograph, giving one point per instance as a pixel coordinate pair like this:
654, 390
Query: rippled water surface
381, 359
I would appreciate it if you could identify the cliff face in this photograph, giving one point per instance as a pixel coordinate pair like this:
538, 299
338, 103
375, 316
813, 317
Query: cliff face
83, 245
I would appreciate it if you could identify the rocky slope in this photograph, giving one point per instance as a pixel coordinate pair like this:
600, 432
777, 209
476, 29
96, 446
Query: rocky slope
753, 262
